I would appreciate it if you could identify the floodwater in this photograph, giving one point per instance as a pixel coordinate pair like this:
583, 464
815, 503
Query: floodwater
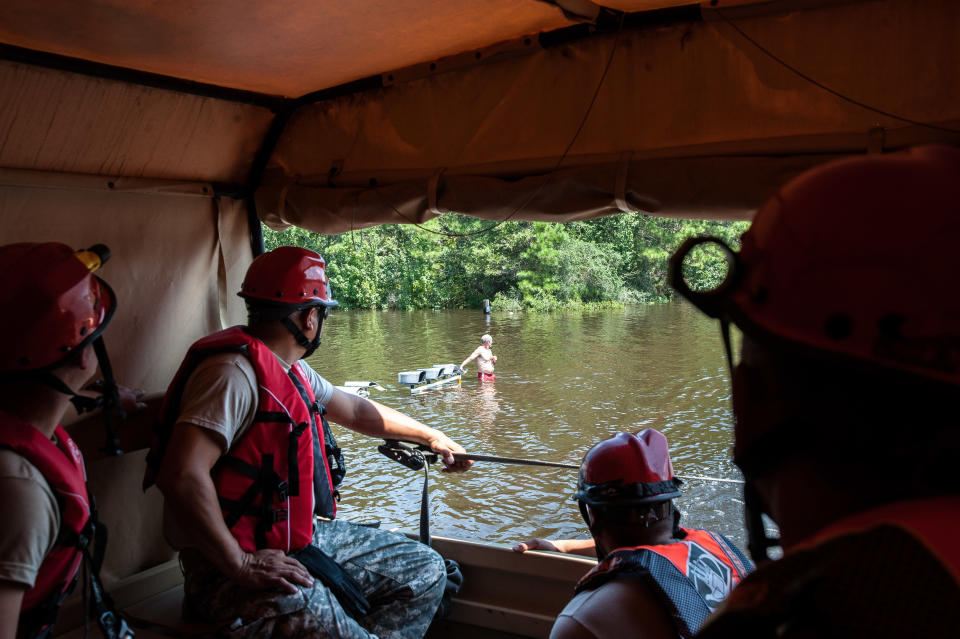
565, 381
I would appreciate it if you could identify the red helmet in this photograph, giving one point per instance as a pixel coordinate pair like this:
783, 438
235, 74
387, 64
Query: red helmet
288, 276
856, 258
628, 469
52, 303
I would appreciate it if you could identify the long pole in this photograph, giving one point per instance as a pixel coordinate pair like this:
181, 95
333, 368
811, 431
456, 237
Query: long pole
534, 462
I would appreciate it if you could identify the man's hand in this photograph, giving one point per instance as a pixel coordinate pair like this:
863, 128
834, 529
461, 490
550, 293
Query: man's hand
445, 448
267, 569
131, 399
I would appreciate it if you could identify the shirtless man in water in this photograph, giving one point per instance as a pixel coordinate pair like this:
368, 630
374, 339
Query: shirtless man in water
485, 359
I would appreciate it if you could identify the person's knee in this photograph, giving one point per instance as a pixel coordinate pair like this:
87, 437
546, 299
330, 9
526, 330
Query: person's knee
432, 563
433, 571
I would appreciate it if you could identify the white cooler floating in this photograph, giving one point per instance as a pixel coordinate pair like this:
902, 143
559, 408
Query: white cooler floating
433, 377
361, 389
410, 377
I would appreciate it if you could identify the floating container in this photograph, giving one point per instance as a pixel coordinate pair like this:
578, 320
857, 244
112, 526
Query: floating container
445, 369
411, 377
432, 373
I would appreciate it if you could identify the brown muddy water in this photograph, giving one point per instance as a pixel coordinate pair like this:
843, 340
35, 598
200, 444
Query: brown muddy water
566, 380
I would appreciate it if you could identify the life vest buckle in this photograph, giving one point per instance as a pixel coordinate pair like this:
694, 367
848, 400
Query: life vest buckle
278, 515
283, 489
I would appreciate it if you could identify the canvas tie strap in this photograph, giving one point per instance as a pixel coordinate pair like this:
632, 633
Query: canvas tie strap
433, 187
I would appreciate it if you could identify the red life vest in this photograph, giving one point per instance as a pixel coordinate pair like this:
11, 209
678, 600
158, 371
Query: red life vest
694, 574
275, 475
62, 466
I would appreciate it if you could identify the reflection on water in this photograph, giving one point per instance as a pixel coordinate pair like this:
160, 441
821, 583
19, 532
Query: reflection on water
565, 381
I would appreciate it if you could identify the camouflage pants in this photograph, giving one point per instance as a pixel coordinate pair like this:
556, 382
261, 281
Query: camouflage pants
402, 579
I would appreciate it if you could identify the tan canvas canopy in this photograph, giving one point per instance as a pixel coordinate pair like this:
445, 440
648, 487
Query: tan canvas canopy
169, 129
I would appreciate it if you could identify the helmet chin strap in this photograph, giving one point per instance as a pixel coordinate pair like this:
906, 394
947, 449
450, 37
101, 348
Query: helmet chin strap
112, 408
109, 398
310, 345
757, 540
83, 403
601, 552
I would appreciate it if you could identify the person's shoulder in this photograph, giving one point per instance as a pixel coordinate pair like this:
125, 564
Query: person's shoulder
570, 623
222, 368
322, 388
617, 607
225, 360
309, 372
23, 488
13, 465
304, 367
29, 536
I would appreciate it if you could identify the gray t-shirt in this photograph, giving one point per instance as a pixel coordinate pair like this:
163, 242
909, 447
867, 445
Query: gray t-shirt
221, 396
29, 532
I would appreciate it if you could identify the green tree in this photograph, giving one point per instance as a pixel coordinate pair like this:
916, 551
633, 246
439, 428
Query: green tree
455, 261
540, 280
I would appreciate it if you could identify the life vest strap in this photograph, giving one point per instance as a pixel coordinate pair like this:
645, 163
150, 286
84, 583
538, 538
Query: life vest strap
265, 482
293, 464
73, 539
314, 408
338, 468
293, 458
39, 621
277, 514
235, 463
272, 417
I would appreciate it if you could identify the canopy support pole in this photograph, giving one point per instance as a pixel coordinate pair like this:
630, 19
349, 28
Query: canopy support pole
80, 66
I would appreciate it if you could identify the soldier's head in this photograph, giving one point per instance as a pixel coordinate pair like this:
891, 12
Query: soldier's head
625, 490
288, 286
844, 293
54, 313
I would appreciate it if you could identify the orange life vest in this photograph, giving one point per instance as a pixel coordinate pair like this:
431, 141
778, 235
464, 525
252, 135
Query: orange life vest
694, 574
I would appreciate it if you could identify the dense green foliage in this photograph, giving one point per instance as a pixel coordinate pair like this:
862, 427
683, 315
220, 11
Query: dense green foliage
620, 259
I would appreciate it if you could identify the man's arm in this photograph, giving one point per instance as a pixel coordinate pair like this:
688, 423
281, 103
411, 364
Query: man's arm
135, 431
376, 420
472, 357
584, 547
11, 597
188, 489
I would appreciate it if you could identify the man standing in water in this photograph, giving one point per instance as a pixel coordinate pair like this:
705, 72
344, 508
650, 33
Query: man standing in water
245, 461
845, 400
655, 579
485, 359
